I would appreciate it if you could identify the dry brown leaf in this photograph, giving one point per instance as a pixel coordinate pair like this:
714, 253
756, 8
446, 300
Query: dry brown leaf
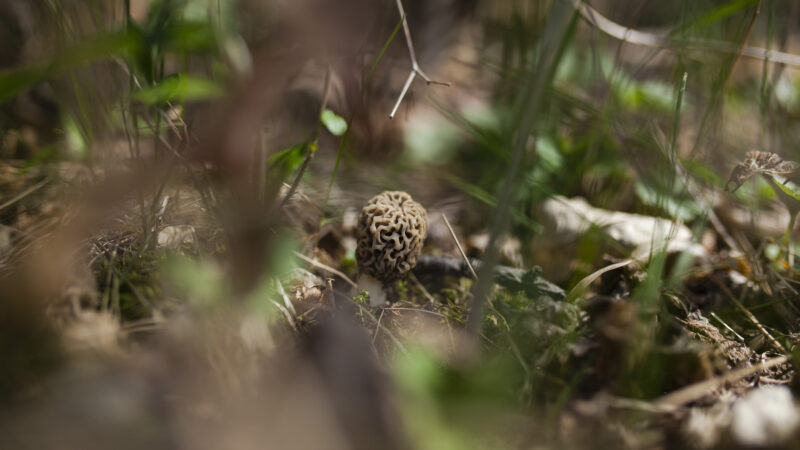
760, 162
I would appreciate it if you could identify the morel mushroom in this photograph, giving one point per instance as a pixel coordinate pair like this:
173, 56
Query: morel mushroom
391, 229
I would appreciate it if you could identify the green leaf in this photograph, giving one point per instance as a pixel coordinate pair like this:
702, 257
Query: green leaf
286, 161
335, 124
789, 188
178, 87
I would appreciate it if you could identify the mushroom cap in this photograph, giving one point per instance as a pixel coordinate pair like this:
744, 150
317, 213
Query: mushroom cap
391, 230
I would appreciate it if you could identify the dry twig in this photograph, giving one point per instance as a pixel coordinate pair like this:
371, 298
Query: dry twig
460, 248
415, 69
327, 268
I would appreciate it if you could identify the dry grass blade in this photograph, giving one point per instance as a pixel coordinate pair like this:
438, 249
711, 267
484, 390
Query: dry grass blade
727, 327
378, 325
751, 317
582, 285
286, 301
25, 193
460, 248
327, 268
421, 287
513, 345
698, 390
286, 314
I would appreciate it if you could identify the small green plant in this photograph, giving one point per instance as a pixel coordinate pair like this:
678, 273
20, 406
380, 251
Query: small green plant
362, 298
402, 290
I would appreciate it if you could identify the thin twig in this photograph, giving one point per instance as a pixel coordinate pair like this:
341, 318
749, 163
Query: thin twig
392, 337
327, 268
415, 68
460, 248
714, 315
421, 287
377, 328
411, 77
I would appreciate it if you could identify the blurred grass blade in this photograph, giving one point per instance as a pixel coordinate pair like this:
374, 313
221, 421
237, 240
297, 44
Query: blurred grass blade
179, 87
472, 190
15, 81
721, 13
482, 196
383, 50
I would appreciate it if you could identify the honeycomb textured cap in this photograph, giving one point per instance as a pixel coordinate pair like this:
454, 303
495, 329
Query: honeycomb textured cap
391, 230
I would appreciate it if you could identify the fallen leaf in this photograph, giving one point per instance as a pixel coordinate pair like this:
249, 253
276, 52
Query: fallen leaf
759, 162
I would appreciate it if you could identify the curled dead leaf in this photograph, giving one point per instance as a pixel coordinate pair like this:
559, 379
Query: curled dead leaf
759, 162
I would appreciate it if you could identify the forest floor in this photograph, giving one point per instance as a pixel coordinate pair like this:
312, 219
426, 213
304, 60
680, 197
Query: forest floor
608, 260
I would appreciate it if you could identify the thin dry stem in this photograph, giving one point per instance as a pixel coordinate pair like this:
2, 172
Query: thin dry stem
715, 316
415, 68
327, 268
778, 346
421, 287
25, 193
286, 314
286, 301
460, 248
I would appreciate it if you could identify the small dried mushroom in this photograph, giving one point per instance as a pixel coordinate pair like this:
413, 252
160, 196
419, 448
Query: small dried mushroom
391, 229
